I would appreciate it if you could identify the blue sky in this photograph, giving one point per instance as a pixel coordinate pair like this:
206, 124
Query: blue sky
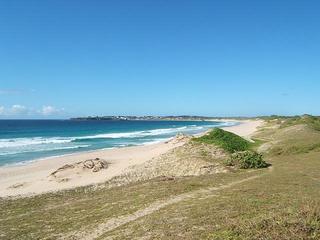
217, 58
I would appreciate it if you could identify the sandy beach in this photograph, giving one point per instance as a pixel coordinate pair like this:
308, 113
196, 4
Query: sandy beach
36, 177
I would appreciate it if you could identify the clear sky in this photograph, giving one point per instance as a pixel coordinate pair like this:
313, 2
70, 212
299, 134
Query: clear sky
67, 58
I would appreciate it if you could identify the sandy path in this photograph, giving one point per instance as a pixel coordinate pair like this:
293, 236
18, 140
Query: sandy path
114, 223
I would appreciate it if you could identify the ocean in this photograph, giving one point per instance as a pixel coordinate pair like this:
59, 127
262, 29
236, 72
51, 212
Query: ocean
26, 140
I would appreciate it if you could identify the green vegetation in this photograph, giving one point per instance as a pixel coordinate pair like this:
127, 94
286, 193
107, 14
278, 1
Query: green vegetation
309, 120
282, 202
241, 156
292, 136
226, 140
246, 159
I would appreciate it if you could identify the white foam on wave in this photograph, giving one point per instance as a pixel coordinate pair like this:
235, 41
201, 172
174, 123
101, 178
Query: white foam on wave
228, 124
4, 153
146, 133
39, 144
135, 134
154, 141
20, 142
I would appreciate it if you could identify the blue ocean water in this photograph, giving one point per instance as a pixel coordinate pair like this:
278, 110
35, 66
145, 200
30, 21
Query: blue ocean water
25, 140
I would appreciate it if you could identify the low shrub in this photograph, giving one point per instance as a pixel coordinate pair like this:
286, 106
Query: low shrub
246, 159
226, 140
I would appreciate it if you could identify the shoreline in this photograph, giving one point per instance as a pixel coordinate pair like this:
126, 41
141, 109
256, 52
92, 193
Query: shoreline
33, 177
30, 161
151, 141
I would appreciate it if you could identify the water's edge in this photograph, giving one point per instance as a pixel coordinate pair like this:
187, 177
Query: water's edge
133, 138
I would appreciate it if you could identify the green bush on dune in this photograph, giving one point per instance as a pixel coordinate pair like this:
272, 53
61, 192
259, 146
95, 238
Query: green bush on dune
226, 140
241, 155
246, 159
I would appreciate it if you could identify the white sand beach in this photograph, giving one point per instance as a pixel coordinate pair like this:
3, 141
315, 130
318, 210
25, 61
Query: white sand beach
36, 177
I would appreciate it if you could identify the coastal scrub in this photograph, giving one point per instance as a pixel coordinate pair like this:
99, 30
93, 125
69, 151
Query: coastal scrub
228, 141
246, 159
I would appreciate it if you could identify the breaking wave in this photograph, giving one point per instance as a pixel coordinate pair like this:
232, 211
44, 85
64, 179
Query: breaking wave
13, 146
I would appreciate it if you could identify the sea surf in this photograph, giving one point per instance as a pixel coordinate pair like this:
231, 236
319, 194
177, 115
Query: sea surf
26, 140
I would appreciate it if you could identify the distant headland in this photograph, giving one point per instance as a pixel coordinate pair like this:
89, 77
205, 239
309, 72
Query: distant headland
152, 118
